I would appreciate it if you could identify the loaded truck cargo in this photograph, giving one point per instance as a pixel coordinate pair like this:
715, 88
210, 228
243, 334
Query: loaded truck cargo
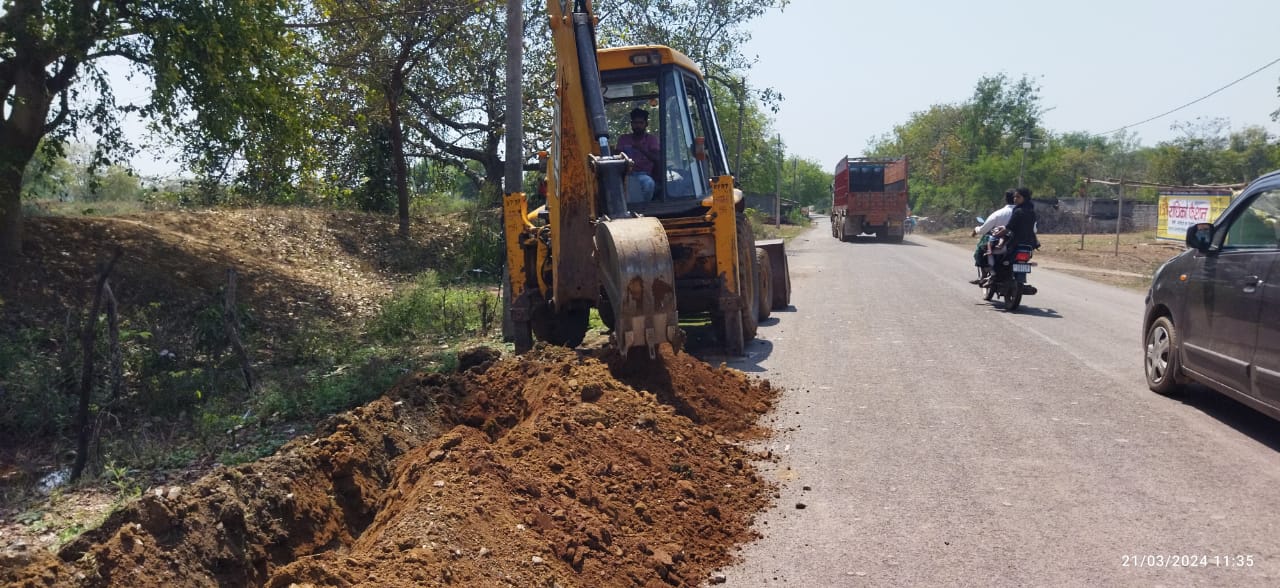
869, 196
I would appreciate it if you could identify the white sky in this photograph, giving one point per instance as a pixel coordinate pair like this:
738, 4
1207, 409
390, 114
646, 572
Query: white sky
850, 69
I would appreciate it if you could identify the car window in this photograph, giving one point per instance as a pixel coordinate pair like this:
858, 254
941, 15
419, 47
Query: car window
1258, 225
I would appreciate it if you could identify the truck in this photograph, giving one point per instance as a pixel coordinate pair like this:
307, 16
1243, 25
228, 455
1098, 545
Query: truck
642, 259
869, 196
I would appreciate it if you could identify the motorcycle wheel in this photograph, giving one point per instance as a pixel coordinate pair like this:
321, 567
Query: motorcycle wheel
1012, 297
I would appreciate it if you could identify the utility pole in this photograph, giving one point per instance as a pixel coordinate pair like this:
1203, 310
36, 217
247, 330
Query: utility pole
1026, 144
777, 198
741, 95
513, 180
795, 180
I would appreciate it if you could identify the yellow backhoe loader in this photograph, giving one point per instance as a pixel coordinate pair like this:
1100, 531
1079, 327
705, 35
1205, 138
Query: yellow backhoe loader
643, 258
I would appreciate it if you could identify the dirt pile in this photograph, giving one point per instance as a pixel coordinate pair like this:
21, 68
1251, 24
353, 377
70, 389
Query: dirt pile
554, 469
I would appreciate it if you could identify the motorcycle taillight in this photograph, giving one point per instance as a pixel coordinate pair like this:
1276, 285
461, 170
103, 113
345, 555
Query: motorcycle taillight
1022, 256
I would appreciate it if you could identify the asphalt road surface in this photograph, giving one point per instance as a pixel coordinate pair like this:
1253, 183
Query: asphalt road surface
930, 438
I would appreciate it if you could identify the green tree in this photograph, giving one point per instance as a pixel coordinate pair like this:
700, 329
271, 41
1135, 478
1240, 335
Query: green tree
378, 192
457, 109
1251, 152
117, 184
50, 176
999, 114
221, 72
710, 33
372, 53
1195, 157
811, 184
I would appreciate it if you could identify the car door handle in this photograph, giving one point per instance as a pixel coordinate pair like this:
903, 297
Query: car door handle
1250, 283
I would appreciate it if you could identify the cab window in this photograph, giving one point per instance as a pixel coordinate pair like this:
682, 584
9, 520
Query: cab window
685, 176
1257, 226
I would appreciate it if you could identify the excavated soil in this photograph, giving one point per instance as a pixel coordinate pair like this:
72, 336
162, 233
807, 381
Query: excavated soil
552, 469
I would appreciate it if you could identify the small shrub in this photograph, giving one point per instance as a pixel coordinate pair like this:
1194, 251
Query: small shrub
125, 485
33, 384
429, 309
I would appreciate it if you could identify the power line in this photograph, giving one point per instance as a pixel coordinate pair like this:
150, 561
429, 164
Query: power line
1246, 76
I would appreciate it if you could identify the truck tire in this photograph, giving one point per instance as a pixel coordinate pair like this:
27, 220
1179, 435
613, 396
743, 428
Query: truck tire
764, 285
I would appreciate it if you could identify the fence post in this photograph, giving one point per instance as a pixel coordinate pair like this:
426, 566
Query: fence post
1119, 216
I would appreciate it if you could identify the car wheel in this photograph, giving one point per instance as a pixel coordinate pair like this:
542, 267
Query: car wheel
1161, 361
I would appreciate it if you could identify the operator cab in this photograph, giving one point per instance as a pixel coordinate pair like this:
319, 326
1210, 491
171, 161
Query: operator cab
667, 85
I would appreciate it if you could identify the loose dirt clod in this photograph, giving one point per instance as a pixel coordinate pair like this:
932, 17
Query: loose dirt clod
554, 468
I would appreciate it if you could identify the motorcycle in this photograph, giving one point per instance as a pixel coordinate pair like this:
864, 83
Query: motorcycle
1007, 276
1008, 279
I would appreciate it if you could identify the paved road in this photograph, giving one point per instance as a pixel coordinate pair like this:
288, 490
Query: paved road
913, 468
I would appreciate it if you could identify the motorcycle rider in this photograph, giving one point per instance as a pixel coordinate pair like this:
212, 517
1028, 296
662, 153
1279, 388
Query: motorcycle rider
1022, 221
997, 218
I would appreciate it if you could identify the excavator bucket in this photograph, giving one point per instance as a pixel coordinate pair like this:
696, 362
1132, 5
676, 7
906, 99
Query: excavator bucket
634, 260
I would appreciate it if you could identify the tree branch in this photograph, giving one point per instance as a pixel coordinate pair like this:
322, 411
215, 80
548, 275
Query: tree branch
64, 110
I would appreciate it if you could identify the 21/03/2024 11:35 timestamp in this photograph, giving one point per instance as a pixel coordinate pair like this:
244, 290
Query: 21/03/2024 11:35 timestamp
1186, 561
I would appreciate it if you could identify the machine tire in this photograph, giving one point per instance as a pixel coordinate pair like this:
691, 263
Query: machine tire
1161, 364
736, 327
764, 284
749, 292
729, 328
782, 296
566, 329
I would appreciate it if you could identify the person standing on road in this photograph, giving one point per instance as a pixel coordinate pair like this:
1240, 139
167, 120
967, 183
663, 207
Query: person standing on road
997, 218
644, 151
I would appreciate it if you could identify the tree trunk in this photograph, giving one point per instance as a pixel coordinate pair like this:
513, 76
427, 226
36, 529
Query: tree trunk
20, 135
11, 204
398, 166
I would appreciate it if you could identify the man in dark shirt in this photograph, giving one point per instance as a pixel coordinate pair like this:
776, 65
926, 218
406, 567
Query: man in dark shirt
643, 149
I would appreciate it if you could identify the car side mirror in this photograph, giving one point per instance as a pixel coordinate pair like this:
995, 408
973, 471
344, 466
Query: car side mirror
1200, 236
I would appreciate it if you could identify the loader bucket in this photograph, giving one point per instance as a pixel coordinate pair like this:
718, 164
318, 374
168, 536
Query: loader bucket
634, 260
